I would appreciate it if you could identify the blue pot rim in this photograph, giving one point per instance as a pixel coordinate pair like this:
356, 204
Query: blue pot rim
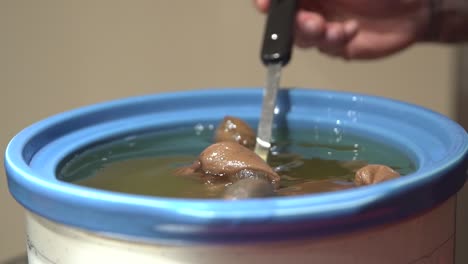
438, 145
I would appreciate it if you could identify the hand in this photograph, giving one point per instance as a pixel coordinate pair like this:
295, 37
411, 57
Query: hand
359, 29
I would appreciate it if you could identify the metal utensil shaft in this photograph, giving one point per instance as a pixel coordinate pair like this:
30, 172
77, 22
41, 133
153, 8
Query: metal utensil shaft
265, 127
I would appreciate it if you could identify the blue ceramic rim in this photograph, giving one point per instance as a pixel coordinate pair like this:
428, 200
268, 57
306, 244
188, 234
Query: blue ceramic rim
176, 220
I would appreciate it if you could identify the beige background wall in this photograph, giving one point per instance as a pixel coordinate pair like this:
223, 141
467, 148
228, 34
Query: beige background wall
57, 55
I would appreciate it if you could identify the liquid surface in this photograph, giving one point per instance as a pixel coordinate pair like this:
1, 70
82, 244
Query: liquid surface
307, 160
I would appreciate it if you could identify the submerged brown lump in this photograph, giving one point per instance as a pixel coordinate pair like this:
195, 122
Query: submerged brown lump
231, 161
249, 188
374, 173
236, 130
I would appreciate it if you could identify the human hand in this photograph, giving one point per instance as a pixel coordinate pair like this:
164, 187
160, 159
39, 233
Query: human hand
359, 29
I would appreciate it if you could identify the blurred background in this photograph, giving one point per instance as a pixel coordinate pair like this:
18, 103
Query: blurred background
56, 55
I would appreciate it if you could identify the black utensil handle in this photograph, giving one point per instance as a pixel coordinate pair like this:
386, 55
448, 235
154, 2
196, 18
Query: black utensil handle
278, 37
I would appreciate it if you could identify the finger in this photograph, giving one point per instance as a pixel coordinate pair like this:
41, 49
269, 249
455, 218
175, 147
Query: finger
334, 35
262, 5
351, 28
337, 38
334, 40
310, 29
368, 46
333, 52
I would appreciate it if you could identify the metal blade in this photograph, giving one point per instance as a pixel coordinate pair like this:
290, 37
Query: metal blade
265, 127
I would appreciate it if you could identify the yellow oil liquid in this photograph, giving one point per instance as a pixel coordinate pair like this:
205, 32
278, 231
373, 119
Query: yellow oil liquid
308, 161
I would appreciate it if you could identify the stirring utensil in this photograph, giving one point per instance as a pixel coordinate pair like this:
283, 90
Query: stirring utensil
275, 54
